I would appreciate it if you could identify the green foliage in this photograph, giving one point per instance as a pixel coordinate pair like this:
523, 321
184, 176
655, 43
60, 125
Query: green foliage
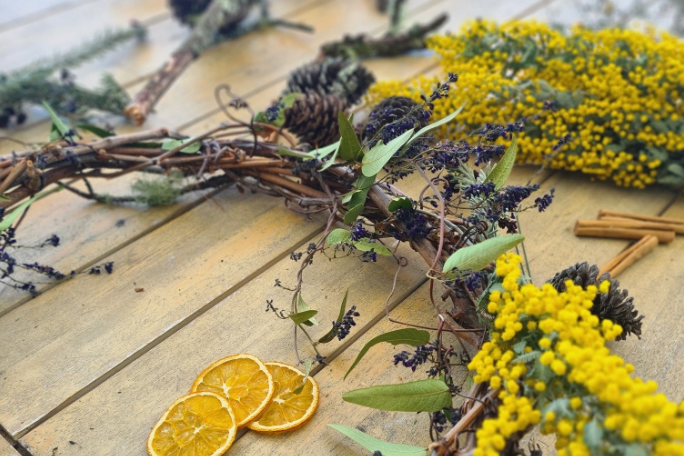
302, 306
420, 396
37, 82
171, 144
400, 203
357, 198
338, 236
161, 191
376, 158
503, 169
373, 444
408, 336
307, 370
480, 255
12, 216
304, 316
428, 128
350, 148
330, 335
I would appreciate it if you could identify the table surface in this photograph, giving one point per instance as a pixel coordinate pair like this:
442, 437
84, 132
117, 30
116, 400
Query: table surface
88, 366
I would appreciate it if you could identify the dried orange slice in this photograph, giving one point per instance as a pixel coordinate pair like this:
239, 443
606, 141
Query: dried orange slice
198, 424
243, 380
288, 410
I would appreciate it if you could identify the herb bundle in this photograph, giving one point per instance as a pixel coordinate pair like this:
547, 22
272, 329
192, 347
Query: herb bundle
606, 103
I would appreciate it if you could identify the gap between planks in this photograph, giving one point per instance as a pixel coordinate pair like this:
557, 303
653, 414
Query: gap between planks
162, 337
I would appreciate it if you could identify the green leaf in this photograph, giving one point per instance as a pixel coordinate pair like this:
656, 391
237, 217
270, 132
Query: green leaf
381, 153
57, 123
291, 153
427, 129
333, 332
323, 152
593, 434
421, 396
288, 100
330, 162
99, 132
357, 201
366, 246
307, 369
303, 306
409, 336
353, 213
5, 198
338, 236
350, 149
12, 216
635, 449
373, 444
303, 317
171, 144
478, 256
527, 357
502, 170
400, 203
560, 407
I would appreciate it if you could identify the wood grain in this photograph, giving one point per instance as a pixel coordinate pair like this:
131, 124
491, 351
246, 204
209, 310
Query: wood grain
114, 419
86, 327
657, 284
551, 245
6, 449
374, 369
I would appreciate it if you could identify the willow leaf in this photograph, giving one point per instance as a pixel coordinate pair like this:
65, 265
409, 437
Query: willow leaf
478, 256
338, 236
502, 170
380, 154
302, 317
350, 148
422, 396
372, 444
408, 336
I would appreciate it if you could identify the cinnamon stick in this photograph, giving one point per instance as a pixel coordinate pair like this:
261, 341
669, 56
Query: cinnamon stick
677, 228
618, 230
648, 218
629, 256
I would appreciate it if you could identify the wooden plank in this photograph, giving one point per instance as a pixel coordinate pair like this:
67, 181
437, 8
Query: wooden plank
116, 417
134, 62
402, 67
236, 63
6, 449
375, 369
657, 284
17, 14
66, 29
579, 198
83, 329
89, 230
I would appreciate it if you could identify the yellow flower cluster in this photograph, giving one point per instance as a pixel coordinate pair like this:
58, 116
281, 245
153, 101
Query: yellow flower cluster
548, 348
613, 97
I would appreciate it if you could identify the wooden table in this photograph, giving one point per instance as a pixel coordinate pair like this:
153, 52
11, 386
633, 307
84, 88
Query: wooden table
88, 366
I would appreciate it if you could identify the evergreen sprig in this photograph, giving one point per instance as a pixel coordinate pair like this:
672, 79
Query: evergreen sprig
50, 80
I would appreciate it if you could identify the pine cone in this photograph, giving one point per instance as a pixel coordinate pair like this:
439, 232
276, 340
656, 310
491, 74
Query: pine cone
390, 110
344, 78
615, 305
313, 118
188, 11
